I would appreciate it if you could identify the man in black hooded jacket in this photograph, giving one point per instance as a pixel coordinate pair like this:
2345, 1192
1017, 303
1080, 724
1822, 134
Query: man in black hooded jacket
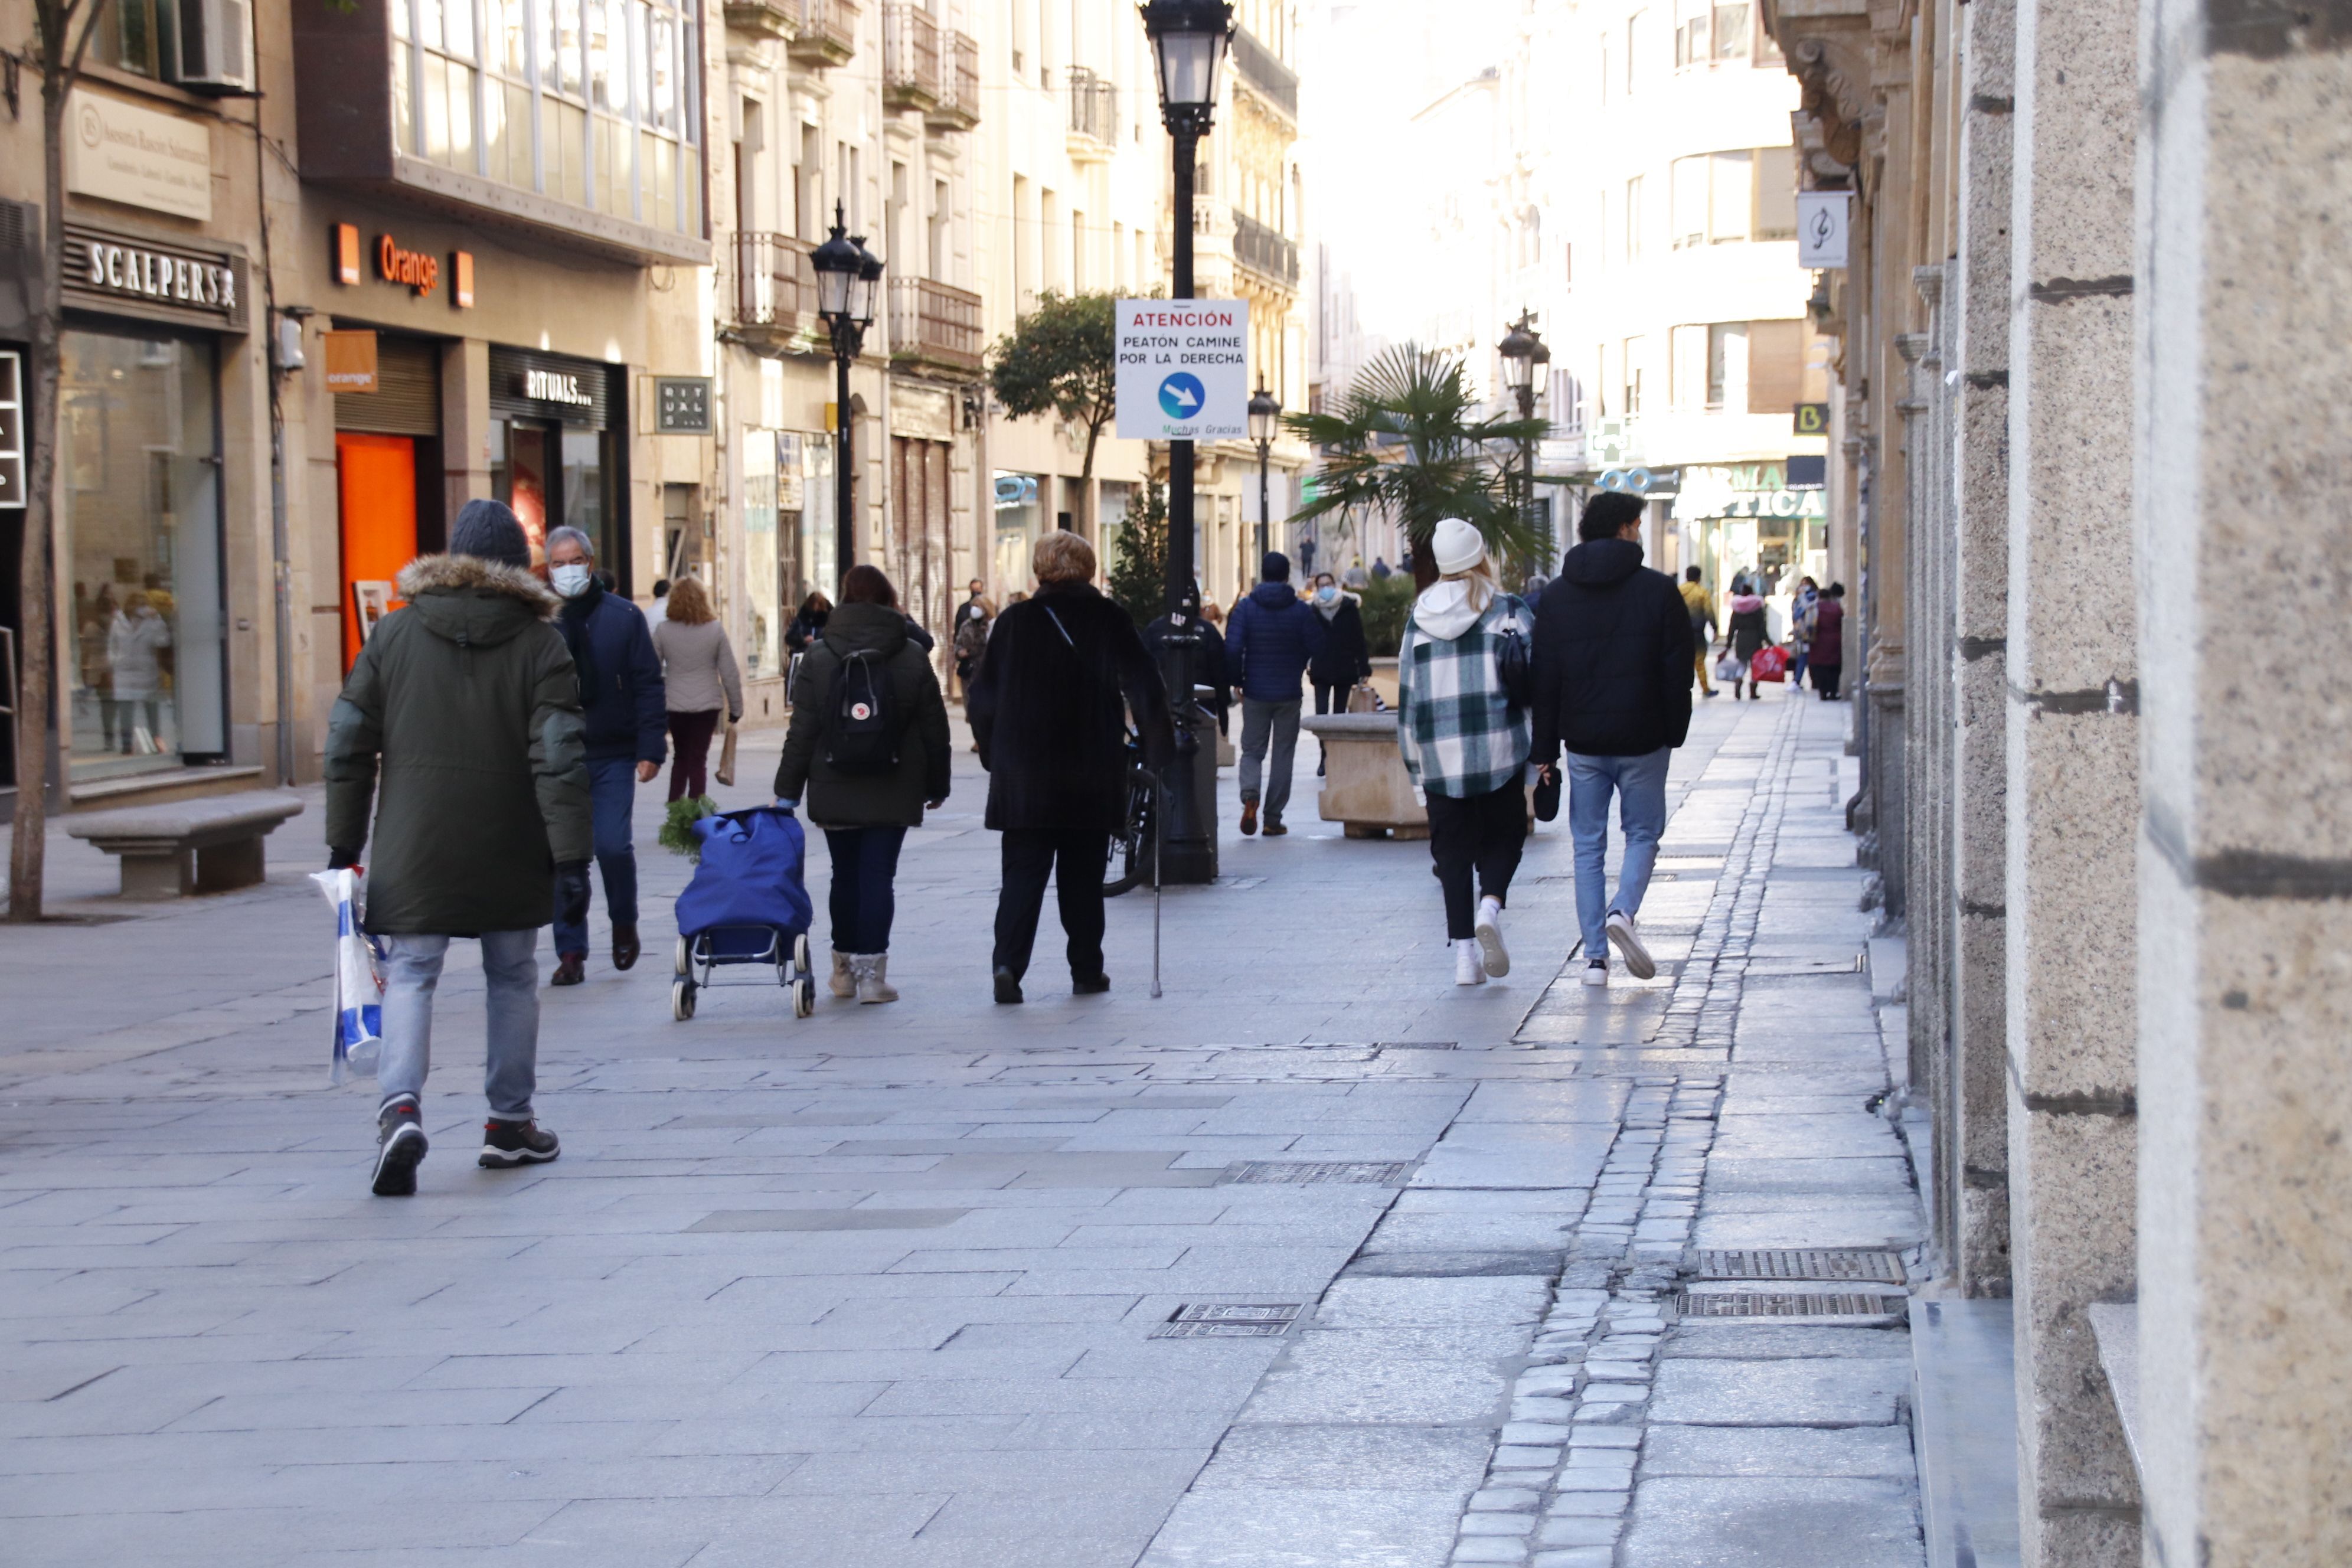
1613, 666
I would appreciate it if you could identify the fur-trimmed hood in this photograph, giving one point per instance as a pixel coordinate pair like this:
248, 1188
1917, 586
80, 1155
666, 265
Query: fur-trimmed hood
475, 602
453, 571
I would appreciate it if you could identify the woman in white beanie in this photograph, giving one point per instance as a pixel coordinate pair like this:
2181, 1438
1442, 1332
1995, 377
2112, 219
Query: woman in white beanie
1465, 743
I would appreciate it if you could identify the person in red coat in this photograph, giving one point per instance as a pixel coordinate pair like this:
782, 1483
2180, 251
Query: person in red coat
1828, 651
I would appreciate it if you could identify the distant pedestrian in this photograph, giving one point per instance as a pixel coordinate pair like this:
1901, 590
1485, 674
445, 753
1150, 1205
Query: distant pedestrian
808, 624
625, 712
1701, 606
137, 646
1744, 636
1803, 619
660, 611
461, 727
968, 636
1048, 709
867, 776
1464, 742
700, 683
1612, 658
1345, 658
1271, 641
1829, 642
1380, 568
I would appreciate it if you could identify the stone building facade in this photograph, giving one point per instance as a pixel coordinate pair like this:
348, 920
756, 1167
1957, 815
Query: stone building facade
2086, 462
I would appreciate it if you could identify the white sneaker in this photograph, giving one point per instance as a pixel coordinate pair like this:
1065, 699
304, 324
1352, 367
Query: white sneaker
1467, 969
1638, 961
1490, 938
1596, 971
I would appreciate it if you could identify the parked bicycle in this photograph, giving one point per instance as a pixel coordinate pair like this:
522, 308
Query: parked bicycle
1132, 846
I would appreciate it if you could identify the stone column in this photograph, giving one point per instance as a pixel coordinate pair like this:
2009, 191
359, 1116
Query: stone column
1973, 1184
2245, 985
465, 423
2073, 766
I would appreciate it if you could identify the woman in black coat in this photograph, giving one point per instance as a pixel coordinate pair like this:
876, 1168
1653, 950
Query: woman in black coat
1048, 711
866, 813
1745, 636
1346, 658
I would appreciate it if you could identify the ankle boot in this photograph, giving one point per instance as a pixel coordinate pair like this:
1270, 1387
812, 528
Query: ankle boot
870, 969
842, 984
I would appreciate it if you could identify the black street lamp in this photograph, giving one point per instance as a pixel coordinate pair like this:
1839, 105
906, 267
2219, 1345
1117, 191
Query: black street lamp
1189, 39
848, 285
1524, 359
1265, 408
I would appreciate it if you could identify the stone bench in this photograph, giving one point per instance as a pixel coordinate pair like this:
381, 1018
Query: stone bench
205, 846
1365, 786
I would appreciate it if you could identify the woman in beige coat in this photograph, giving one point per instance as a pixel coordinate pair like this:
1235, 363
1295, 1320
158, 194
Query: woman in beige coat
700, 678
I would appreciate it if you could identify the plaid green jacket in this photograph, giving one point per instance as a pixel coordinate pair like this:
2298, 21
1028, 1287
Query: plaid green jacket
1459, 735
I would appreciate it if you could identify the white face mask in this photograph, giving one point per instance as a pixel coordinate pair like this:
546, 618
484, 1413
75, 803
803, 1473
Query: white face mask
570, 581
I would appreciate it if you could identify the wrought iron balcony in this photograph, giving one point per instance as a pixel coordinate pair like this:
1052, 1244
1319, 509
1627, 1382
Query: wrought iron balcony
935, 326
1262, 248
959, 105
775, 289
1094, 114
1264, 75
827, 34
910, 57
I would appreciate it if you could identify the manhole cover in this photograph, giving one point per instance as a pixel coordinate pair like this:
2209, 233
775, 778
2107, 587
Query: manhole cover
1800, 1263
1787, 1304
1322, 1173
1228, 1321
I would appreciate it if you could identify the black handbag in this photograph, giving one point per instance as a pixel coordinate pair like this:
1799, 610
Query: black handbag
1548, 795
1515, 666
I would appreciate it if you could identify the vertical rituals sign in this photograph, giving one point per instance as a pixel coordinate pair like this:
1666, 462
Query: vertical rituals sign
1183, 370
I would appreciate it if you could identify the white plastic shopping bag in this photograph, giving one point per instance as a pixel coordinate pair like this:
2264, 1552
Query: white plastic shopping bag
358, 981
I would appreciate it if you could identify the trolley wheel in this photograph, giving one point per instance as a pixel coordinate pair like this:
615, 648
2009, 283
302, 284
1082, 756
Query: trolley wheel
682, 1000
801, 959
683, 964
804, 997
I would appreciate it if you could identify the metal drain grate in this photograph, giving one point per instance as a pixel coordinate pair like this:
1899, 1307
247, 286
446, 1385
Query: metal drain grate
1322, 1173
1229, 1321
1801, 1263
1788, 1304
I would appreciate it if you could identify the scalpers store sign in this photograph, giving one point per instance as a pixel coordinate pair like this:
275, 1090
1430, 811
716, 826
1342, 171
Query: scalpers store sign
106, 271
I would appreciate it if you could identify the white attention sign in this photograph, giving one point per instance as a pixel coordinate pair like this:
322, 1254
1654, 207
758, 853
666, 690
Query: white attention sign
121, 152
1821, 217
1183, 370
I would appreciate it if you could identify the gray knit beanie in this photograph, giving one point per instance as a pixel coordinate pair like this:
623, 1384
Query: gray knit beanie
486, 530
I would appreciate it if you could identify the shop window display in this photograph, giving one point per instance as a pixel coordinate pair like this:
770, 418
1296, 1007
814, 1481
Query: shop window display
142, 544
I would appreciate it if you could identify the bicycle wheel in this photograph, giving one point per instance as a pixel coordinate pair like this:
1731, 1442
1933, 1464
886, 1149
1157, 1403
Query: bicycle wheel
1131, 847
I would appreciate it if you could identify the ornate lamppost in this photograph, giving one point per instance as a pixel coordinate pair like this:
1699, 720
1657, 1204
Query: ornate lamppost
849, 286
1189, 39
1524, 358
1265, 408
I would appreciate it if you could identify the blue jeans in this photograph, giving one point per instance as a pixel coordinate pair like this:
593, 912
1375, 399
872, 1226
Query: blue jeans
1640, 784
864, 864
612, 803
412, 972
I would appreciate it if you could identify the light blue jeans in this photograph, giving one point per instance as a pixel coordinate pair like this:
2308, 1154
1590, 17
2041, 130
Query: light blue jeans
1640, 786
412, 971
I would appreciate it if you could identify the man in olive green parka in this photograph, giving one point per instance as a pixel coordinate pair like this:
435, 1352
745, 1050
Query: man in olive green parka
460, 725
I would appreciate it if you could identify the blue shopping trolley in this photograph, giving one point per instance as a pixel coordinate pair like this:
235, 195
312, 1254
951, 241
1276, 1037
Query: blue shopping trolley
748, 903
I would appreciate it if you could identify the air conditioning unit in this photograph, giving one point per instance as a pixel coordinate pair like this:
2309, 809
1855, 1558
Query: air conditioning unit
210, 46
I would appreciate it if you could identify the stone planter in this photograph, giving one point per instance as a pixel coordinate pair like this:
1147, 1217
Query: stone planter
1365, 786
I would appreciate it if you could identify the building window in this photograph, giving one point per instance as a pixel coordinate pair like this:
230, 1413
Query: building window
140, 476
1744, 193
1636, 34
1636, 350
1633, 218
1745, 367
1775, 193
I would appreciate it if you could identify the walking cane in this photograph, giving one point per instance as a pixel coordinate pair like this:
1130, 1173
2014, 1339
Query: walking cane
1159, 841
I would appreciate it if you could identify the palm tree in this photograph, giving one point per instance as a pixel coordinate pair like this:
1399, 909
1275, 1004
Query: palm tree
1407, 440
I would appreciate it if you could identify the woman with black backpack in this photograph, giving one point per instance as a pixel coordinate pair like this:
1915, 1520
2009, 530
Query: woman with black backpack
869, 743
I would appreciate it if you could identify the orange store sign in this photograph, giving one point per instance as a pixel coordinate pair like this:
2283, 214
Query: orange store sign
413, 268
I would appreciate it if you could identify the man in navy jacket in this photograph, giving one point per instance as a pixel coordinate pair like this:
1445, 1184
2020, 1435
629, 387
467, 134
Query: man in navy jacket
623, 713
1270, 638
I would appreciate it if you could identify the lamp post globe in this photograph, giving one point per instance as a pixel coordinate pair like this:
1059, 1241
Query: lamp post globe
848, 280
1189, 39
1519, 349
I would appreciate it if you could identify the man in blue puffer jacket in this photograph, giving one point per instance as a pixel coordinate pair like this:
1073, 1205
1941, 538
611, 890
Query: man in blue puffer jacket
623, 716
1270, 638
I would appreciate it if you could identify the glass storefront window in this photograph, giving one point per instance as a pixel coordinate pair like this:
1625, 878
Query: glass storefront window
1019, 504
819, 548
765, 653
139, 444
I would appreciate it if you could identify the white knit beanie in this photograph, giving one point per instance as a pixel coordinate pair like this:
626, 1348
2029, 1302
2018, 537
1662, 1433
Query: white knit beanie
1456, 546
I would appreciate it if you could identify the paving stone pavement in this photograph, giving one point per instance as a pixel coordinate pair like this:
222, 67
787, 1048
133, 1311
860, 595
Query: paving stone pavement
881, 1287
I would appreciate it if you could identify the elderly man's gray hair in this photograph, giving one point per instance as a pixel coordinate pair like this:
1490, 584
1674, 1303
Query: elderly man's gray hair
570, 535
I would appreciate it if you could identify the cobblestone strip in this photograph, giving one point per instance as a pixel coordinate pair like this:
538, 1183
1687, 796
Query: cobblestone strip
1561, 1477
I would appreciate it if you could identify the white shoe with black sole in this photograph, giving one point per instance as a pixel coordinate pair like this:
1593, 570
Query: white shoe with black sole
400, 1145
1490, 938
1626, 940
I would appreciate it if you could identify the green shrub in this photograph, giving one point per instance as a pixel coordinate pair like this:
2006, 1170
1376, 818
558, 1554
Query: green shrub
1387, 601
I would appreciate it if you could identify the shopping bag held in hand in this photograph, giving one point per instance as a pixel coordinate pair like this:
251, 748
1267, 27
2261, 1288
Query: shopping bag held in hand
1729, 668
725, 772
359, 980
1769, 664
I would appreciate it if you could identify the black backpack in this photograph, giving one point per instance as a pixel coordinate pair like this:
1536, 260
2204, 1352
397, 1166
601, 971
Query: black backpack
862, 734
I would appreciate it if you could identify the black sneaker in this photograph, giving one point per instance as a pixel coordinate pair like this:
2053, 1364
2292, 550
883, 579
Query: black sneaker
510, 1143
1008, 987
400, 1146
